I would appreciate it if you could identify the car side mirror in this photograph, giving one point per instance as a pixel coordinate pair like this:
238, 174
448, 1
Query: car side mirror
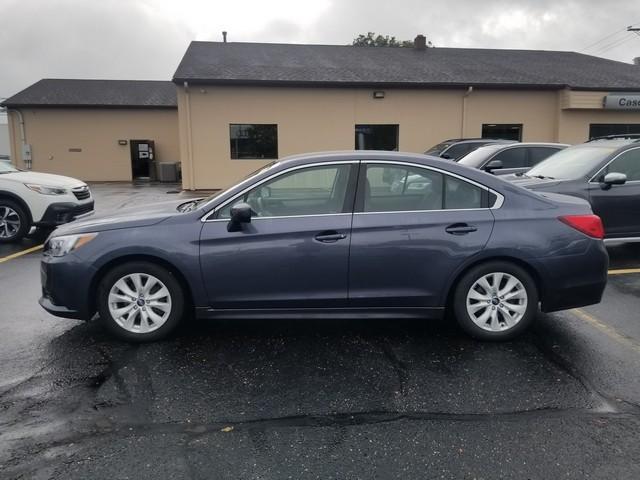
613, 178
446, 156
493, 165
240, 213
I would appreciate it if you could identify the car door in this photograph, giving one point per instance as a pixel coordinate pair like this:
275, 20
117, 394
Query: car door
412, 227
619, 205
294, 252
514, 160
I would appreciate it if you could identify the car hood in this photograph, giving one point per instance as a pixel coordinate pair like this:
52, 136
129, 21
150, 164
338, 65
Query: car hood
141, 216
47, 179
532, 183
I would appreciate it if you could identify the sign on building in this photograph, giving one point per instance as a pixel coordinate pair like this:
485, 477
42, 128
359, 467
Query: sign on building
622, 101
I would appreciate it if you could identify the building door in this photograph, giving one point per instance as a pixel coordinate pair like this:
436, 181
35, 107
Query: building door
142, 156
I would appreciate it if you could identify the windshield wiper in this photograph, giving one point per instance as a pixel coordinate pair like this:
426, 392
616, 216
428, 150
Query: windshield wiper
189, 206
542, 177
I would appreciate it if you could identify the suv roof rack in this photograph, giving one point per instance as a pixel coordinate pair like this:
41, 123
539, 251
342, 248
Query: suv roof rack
622, 136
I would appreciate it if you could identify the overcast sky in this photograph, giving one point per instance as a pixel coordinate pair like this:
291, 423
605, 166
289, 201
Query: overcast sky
145, 39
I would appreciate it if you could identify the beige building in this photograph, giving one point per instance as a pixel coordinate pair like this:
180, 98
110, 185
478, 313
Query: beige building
95, 130
241, 105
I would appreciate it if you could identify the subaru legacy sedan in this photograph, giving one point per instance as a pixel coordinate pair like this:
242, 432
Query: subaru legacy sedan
336, 234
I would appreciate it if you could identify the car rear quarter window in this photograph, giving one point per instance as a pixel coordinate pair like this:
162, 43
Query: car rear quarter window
397, 188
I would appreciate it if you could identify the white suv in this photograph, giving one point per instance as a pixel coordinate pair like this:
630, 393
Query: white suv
38, 199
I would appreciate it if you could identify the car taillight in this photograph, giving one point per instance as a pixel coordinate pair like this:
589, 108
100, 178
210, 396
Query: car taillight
590, 225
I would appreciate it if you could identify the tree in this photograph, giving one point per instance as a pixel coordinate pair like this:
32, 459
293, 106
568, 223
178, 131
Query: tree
373, 40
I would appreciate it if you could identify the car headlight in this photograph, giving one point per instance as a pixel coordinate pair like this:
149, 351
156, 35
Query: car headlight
60, 246
45, 190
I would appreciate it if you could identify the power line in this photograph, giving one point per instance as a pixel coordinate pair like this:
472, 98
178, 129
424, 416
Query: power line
604, 38
615, 44
630, 28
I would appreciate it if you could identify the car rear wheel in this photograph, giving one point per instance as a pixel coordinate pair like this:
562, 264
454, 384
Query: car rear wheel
14, 223
140, 302
496, 301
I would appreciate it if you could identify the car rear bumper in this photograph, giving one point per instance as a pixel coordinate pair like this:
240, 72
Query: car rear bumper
66, 287
60, 213
573, 281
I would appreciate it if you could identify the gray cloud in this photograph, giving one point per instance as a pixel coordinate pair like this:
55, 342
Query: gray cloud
139, 39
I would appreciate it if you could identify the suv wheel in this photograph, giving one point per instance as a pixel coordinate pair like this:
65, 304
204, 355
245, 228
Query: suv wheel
496, 301
14, 223
140, 302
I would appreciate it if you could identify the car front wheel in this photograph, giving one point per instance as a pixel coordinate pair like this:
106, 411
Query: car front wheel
14, 223
496, 301
140, 302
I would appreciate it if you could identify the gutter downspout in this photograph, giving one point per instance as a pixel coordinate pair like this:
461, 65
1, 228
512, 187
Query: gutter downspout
192, 182
23, 137
464, 111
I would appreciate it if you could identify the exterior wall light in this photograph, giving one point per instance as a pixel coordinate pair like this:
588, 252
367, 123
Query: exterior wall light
122, 142
378, 94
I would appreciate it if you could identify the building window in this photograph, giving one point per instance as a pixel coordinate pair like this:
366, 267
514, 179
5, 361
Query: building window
376, 137
604, 129
253, 141
505, 131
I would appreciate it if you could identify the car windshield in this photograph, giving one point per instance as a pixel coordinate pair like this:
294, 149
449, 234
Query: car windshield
572, 163
476, 158
193, 204
7, 168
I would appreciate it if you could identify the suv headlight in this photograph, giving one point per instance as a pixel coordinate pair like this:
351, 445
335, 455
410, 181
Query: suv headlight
60, 246
45, 190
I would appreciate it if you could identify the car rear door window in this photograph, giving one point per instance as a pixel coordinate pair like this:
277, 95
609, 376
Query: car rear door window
537, 154
627, 163
397, 188
309, 191
515, 157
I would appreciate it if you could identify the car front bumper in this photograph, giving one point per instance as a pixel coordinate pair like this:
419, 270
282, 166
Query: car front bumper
66, 287
60, 213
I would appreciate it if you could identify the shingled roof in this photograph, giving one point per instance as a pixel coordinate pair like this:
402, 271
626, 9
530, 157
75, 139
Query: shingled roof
335, 65
96, 93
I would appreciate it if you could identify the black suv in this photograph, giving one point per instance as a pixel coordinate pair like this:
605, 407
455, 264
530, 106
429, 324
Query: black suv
604, 171
456, 148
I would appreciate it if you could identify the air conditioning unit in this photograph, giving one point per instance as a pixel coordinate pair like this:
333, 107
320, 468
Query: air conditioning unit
168, 172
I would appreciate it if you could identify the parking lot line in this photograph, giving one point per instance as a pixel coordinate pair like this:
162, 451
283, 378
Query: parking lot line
19, 254
606, 329
624, 271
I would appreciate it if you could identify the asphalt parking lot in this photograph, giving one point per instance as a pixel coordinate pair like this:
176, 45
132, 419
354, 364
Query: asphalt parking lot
319, 399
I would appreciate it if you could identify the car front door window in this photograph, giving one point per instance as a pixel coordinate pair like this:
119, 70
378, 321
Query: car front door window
512, 158
309, 191
627, 163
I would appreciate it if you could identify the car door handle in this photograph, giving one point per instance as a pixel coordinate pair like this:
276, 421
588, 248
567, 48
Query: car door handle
330, 236
460, 229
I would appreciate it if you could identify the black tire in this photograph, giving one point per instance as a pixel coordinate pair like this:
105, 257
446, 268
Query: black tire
25, 223
468, 280
176, 294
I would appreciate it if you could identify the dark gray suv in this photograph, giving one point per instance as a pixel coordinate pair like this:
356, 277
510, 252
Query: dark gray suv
605, 172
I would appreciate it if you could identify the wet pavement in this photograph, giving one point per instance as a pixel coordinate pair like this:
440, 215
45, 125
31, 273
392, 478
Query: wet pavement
317, 399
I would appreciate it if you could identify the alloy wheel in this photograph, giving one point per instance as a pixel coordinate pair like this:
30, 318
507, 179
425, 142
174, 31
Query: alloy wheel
139, 303
9, 222
497, 301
